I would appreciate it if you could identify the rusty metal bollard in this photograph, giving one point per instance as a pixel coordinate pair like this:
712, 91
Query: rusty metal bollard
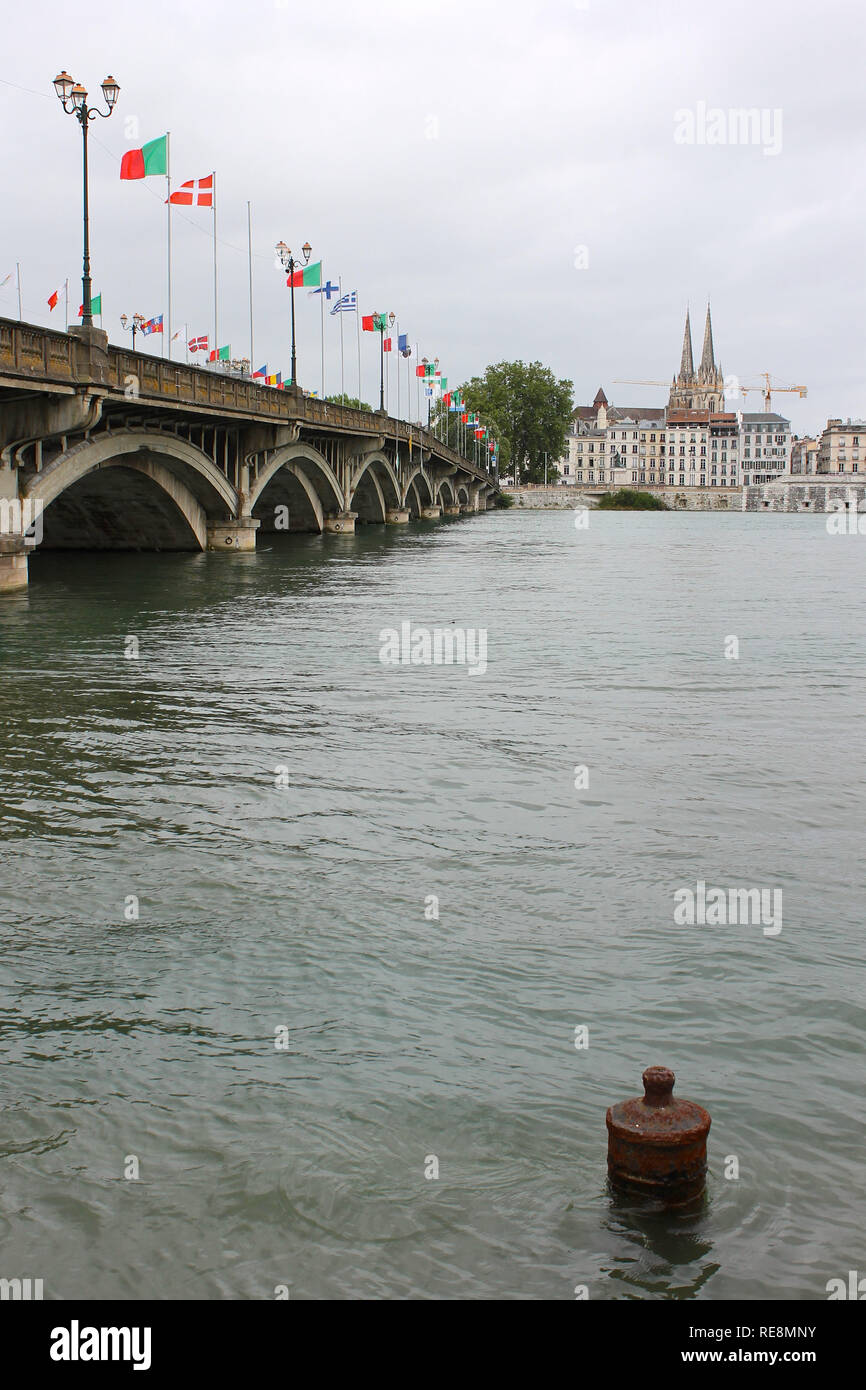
657, 1145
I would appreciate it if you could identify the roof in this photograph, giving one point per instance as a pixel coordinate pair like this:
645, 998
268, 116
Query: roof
764, 417
588, 414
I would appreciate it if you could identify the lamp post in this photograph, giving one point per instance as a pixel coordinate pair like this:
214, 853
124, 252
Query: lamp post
380, 322
73, 98
134, 324
291, 265
392, 319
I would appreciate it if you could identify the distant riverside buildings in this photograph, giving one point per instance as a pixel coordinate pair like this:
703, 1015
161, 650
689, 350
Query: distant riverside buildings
693, 442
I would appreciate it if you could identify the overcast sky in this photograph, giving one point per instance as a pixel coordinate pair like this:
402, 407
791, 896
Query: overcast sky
449, 161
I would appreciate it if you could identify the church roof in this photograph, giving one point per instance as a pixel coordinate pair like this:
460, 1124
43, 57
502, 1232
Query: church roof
708, 360
687, 366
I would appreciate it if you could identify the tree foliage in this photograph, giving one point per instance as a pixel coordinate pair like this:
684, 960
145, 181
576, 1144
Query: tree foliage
529, 411
351, 402
630, 499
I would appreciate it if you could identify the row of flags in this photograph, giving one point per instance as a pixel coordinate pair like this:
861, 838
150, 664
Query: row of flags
153, 159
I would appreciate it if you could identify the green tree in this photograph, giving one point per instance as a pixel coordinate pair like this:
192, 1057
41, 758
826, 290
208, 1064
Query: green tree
351, 401
529, 411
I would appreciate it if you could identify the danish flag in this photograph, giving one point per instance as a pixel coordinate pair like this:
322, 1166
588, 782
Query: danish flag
198, 344
195, 192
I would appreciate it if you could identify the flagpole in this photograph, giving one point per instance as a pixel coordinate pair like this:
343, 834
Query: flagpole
66, 297
342, 362
322, 322
216, 340
168, 227
250, 253
18, 268
397, 426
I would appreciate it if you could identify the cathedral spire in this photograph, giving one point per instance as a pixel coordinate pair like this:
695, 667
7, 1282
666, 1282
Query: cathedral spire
687, 365
708, 360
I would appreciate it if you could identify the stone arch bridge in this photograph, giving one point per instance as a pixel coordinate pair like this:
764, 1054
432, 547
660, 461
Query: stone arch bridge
101, 448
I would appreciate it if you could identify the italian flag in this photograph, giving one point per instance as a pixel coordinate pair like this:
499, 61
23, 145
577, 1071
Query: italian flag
152, 158
309, 277
95, 306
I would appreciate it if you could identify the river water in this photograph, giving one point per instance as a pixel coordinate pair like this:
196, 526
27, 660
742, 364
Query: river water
287, 1041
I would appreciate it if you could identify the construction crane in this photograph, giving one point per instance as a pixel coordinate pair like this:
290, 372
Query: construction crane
769, 387
641, 383
766, 390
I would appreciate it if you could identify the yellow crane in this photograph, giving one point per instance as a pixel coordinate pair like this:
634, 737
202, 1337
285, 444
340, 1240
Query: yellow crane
769, 387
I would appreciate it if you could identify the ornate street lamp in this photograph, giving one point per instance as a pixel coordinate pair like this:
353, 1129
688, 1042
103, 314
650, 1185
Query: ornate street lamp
379, 322
289, 263
73, 98
134, 324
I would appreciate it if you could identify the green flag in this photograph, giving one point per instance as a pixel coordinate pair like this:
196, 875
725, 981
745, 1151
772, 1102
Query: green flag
152, 158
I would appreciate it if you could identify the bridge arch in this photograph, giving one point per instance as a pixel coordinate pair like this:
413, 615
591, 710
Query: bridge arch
375, 488
300, 479
131, 490
445, 494
423, 488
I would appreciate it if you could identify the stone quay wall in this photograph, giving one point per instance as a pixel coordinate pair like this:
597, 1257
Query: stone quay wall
678, 499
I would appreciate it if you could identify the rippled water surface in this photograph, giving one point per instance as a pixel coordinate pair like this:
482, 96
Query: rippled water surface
302, 907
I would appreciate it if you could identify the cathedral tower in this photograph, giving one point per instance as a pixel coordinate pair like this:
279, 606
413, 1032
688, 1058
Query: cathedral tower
703, 389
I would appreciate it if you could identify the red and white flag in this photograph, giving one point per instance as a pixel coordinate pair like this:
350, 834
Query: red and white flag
198, 344
53, 299
195, 193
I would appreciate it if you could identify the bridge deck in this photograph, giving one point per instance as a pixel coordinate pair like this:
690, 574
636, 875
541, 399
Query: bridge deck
33, 358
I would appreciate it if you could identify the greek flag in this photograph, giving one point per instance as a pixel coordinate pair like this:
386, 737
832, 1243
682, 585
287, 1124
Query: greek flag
348, 304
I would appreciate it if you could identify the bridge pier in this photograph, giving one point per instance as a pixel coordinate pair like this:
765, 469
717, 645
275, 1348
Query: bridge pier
343, 523
13, 564
397, 516
431, 513
239, 534
451, 509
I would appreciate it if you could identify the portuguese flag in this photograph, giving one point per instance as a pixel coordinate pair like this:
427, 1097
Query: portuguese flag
310, 276
152, 158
